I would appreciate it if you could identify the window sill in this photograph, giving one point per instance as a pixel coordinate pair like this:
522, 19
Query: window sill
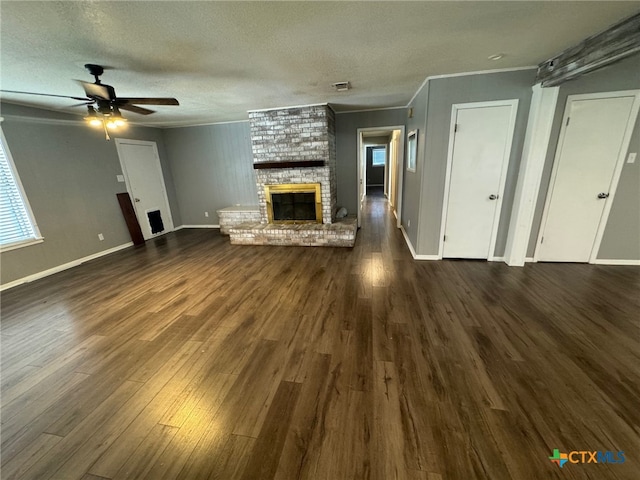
25, 243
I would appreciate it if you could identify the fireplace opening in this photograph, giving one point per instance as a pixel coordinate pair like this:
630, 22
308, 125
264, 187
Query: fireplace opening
294, 203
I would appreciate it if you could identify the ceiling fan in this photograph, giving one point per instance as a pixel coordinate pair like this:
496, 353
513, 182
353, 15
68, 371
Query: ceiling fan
103, 106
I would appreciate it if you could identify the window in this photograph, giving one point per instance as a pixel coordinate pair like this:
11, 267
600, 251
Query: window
17, 226
379, 157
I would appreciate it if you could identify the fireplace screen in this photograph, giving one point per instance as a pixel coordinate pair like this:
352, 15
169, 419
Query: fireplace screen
294, 203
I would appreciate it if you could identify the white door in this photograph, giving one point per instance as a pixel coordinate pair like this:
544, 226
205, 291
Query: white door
145, 184
478, 160
592, 143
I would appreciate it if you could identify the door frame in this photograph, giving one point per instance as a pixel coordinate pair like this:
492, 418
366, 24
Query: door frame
121, 141
617, 171
513, 103
362, 158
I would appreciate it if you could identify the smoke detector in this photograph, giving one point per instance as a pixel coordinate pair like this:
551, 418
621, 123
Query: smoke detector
342, 86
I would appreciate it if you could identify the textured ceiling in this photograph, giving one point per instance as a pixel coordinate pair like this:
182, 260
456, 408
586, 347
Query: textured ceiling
220, 59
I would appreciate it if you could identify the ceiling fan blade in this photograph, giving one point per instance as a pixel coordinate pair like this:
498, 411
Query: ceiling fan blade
45, 94
147, 101
134, 109
91, 102
95, 91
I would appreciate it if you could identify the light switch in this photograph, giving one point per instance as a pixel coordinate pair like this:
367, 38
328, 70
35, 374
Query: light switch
120, 178
632, 157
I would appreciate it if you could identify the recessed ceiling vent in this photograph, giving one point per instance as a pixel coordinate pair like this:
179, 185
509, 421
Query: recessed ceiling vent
342, 86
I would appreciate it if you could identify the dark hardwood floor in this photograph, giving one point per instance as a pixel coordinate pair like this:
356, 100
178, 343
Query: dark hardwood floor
190, 358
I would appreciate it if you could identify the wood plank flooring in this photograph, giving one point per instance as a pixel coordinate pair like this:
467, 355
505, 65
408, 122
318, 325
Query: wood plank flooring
190, 358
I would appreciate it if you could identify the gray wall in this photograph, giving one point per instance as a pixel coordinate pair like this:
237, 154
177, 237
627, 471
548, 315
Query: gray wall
442, 94
622, 233
412, 182
347, 125
212, 167
68, 171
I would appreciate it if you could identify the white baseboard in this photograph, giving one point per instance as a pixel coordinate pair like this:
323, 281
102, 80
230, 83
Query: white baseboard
65, 266
615, 261
197, 226
408, 242
427, 257
412, 250
496, 259
529, 260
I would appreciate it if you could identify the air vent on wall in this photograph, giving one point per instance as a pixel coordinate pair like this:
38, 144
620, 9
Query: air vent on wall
342, 86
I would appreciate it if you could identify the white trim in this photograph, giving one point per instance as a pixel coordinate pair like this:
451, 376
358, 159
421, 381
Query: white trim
64, 266
408, 242
529, 260
21, 244
374, 109
465, 74
361, 159
513, 103
624, 147
427, 257
200, 124
412, 250
325, 104
615, 261
495, 259
61, 121
196, 226
397, 208
163, 187
534, 153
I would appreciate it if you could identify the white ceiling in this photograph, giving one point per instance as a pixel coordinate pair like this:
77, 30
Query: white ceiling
220, 59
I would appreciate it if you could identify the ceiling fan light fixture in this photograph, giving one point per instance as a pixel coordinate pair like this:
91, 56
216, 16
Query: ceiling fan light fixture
114, 122
92, 118
114, 119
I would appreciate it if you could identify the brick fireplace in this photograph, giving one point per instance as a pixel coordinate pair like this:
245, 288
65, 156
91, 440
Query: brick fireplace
294, 146
294, 151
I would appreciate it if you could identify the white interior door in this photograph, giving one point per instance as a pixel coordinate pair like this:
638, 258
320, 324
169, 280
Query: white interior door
145, 183
478, 161
592, 143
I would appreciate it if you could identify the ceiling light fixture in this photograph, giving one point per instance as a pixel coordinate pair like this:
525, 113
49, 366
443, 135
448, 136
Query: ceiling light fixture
495, 56
92, 117
107, 117
342, 86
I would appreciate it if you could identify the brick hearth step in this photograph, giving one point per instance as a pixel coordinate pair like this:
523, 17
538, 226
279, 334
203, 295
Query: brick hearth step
342, 233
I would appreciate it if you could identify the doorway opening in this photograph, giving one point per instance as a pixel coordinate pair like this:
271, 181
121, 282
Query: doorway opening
380, 166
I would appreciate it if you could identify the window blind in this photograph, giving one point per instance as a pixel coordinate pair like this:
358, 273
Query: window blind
15, 223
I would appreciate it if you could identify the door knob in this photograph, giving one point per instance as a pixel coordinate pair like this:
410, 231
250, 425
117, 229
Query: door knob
603, 195
136, 199
493, 197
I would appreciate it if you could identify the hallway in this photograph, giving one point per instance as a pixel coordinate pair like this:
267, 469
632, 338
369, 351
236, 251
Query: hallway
191, 358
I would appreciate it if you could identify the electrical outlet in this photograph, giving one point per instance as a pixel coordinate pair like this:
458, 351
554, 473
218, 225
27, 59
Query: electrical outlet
632, 157
120, 178
100, 237
206, 214
408, 223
